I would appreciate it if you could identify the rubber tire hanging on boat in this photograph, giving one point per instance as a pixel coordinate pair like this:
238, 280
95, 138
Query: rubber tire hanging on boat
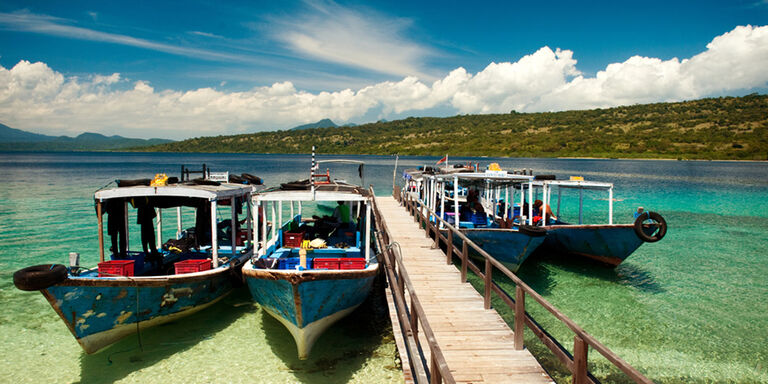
532, 231
253, 180
640, 225
39, 277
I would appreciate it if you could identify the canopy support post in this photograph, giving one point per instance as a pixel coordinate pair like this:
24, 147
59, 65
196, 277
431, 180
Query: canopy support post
127, 238
214, 236
530, 203
101, 230
159, 237
178, 222
234, 227
367, 232
249, 222
610, 206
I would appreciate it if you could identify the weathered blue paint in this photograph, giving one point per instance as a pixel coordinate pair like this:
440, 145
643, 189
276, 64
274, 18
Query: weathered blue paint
97, 309
274, 294
508, 246
322, 298
307, 302
610, 244
95, 306
316, 299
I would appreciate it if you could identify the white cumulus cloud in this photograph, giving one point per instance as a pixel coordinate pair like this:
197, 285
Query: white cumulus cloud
35, 97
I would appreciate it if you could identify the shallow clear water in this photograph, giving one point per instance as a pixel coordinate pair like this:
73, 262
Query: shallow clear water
690, 308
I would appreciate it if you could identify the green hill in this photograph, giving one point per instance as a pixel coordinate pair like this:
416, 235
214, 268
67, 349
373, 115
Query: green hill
714, 128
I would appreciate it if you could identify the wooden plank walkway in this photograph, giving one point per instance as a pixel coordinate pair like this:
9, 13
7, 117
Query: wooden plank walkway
477, 344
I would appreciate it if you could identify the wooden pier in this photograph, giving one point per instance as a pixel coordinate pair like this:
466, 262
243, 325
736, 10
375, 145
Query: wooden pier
476, 345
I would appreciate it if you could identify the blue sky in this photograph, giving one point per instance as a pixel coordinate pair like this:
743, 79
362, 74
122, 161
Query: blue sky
191, 68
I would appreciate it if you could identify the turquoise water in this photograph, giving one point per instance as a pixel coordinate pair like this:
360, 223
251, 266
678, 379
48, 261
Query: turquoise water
691, 308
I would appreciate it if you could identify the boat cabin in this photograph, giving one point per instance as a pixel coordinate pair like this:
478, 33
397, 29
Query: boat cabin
544, 189
477, 199
219, 228
308, 237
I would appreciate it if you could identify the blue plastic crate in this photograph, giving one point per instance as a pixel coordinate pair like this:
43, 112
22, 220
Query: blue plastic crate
479, 219
138, 258
292, 263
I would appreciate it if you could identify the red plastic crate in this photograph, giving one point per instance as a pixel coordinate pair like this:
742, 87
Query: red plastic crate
352, 263
326, 263
192, 266
116, 268
292, 239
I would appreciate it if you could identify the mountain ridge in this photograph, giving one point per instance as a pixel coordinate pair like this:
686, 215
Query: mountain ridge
12, 139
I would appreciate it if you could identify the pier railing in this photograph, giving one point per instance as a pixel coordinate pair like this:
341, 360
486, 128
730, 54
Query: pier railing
411, 316
576, 363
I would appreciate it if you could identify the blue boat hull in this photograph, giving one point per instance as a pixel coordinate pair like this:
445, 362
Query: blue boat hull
308, 302
609, 244
508, 246
100, 311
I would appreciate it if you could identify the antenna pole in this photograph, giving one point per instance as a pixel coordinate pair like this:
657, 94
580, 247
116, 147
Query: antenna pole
312, 170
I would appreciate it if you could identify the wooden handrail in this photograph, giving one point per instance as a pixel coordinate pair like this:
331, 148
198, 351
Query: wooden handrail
577, 363
399, 280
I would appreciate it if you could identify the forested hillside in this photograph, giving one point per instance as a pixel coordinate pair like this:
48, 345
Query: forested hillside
715, 128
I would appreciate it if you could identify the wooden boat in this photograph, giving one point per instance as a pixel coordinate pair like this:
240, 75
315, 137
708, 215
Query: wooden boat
139, 289
305, 285
607, 243
493, 229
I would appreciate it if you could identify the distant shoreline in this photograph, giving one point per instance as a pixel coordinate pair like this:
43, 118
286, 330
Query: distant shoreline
369, 154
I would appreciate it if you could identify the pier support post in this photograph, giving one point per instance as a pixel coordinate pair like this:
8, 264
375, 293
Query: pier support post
414, 319
434, 371
463, 261
488, 281
580, 349
519, 317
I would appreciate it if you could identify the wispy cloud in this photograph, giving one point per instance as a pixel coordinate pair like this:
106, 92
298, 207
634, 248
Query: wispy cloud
205, 34
357, 38
53, 26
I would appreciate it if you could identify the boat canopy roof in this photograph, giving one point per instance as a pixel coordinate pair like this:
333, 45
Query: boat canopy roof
575, 184
481, 179
302, 191
224, 191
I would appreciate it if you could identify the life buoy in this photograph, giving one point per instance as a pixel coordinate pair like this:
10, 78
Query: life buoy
532, 231
656, 221
39, 277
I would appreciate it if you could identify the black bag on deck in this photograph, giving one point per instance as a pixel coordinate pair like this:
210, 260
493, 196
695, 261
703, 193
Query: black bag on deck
179, 246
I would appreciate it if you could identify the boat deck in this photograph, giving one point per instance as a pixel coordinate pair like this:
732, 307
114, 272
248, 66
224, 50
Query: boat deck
478, 345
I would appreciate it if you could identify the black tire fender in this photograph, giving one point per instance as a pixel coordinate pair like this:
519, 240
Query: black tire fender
39, 277
658, 221
532, 230
251, 179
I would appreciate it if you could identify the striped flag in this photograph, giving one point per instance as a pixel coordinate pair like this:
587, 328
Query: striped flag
443, 160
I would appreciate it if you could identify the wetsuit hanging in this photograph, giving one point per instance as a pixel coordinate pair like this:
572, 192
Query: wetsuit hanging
115, 209
145, 215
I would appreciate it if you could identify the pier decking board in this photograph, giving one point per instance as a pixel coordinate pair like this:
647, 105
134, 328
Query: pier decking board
477, 344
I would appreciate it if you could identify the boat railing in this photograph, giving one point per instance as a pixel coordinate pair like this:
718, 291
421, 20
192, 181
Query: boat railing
576, 362
411, 317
